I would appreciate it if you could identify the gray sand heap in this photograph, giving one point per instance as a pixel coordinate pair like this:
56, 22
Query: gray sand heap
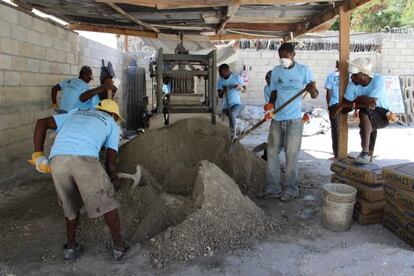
190, 200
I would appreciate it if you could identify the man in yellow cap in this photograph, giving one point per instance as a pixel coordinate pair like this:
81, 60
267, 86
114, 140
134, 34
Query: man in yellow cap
78, 176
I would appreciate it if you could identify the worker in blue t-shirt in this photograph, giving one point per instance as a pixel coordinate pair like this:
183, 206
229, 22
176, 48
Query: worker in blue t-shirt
332, 100
78, 176
287, 79
71, 89
366, 92
228, 87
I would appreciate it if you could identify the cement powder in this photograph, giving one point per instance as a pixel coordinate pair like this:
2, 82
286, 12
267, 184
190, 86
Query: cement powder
186, 207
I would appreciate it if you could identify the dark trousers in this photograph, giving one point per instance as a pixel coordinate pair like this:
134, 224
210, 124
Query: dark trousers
334, 130
370, 121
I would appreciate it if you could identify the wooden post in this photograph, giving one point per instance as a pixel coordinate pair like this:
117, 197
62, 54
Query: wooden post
344, 43
126, 46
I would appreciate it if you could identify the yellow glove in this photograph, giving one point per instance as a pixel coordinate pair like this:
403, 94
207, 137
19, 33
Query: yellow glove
40, 161
392, 117
54, 106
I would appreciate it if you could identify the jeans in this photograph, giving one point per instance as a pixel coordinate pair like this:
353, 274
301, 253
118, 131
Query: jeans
235, 112
285, 135
334, 131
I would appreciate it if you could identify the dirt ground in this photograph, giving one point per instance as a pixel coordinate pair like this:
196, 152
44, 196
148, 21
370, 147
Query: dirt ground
32, 229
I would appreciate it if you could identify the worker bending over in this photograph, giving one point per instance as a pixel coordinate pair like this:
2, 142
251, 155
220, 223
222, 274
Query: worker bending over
78, 176
332, 100
228, 87
366, 92
287, 79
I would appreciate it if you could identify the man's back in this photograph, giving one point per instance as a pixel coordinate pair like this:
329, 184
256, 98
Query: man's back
84, 132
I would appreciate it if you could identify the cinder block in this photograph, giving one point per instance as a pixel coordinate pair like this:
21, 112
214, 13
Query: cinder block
45, 67
1, 77
46, 40
51, 54
25, 20
9, 136
19, 63
65, 69
11, 78
27, 79
60, 32
39, 25
40, 52
34, 37
10, 46
19, 32
8, 14
70, 58
5, 61
33, 65
5, 29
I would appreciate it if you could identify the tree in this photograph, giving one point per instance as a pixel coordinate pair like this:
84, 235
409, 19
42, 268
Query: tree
407, 18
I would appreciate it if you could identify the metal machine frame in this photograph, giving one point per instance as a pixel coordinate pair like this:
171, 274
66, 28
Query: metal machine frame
185, 66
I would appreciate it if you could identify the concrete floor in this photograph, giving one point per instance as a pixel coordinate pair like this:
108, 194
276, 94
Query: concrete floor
32, 226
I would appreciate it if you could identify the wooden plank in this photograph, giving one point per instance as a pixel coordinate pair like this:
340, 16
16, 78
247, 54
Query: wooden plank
132, 18
277, 27
344, 43
182, 4
111, 30
231, 11
236, 36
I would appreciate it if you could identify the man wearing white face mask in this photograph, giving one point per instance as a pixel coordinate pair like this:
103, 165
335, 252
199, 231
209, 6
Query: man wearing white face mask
287, 79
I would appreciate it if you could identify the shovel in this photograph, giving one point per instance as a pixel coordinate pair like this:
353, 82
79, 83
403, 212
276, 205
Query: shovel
136, 177
262, 121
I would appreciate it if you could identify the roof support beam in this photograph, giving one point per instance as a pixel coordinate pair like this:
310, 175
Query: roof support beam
182, 4
132, 18
344, 43
231, 11
270, 27
111, 30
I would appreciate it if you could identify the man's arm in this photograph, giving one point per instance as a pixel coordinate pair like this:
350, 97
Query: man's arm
273, 97
91, 93
55, 90
360, 102
111, 164
42, 125
313, 91
328, 96
222, 91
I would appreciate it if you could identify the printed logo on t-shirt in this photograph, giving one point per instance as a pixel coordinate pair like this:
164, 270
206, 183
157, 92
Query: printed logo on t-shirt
279, 81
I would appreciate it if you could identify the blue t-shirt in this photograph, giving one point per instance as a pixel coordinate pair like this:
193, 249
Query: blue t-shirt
84, 132
332, 83
71, 91
166, 88
375, 89
287, 83
267, 92
232, 94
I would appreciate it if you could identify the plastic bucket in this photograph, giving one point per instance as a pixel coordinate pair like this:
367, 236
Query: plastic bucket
338, 205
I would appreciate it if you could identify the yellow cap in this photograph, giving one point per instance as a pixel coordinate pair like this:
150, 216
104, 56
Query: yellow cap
110, 106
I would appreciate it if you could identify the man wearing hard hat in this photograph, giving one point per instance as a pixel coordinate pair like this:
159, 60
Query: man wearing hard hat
78, 176
366, 93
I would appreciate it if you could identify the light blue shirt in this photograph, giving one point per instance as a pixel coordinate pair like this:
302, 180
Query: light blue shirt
84, 132
166, 88
375, 89
287, 83
332, 83
233, 94
71, 91
267, 92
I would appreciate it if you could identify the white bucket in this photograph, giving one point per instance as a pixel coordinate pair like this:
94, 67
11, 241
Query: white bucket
338, 205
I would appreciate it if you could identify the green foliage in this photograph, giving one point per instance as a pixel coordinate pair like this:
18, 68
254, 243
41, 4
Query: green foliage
377, 14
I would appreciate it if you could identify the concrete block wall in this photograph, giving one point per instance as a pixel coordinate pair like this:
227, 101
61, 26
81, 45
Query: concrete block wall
34, 56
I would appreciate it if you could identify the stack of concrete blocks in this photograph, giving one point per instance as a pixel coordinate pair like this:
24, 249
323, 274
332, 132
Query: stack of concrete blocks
367, 179
399, 195
34, 56
408, 97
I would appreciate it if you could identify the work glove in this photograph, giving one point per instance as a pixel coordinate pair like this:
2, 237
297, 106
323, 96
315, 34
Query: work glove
54, 106
392, 117
40, 161
306, 118
269, 109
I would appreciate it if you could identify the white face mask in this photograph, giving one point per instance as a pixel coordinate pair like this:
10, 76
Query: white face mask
286, 62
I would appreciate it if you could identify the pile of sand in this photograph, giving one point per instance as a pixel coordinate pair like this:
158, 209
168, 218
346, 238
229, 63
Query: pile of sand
185, 207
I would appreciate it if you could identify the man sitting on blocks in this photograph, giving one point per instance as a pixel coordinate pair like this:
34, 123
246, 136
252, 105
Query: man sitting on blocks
366, 92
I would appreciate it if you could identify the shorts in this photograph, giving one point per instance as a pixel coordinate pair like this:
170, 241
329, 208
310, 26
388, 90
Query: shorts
81, 181
377, 116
